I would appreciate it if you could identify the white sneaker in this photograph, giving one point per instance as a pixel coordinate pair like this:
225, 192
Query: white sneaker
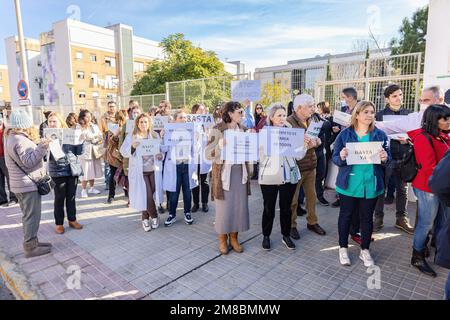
146, 225
84, 193
155, 223
343, 257
366, 258
94, 191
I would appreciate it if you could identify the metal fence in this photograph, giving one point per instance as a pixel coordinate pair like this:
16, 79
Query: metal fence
370, 76
209, 91
145, 101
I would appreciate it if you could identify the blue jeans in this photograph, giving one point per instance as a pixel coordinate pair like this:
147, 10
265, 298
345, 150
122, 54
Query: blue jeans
430, 209
107, 173
447, 288
182, 182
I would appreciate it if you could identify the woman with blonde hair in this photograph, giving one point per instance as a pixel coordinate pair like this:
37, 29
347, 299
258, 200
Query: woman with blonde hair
359, 185
144, 173
24, 154
65, 173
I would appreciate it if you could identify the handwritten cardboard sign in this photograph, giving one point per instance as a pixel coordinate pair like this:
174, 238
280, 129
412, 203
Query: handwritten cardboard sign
240, 147
342, 118
284, 142
364, 152
246, 89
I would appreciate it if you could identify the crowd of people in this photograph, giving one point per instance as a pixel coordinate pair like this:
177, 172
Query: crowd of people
109, 150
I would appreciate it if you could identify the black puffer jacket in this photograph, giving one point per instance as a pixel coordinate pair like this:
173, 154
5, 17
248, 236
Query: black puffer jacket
61, 167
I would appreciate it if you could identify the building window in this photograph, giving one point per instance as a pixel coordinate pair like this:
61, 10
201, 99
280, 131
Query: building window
41, 96
138, 67
81, 94
110, 62
95, 95
79, 55
111, 96
94, 79
1, 89
93, 57
80, 75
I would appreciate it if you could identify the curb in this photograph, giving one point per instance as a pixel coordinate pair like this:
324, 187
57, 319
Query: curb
16, 281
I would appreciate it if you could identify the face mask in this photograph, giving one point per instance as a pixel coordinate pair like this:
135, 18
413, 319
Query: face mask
423, 106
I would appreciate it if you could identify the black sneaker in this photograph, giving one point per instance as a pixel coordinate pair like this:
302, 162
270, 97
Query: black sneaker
288, 243
323, 201
336, 204
161, 210
170, 220
205, 207
266, 243
300, 211
195, 208
110, 200
294, 234
187, 218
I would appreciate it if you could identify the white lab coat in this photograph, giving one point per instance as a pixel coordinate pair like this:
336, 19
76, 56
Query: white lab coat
137, 189
170, 172
205, 164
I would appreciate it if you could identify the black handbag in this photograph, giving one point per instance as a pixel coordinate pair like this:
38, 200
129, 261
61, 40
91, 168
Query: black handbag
44, 185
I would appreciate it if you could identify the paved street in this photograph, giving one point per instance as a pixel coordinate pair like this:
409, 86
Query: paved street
118, 260
5, 294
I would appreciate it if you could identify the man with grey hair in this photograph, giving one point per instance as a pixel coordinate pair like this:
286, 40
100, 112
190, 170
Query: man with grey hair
430, 95
304, 108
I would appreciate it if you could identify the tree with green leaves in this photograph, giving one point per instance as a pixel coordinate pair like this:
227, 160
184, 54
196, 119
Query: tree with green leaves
183, 61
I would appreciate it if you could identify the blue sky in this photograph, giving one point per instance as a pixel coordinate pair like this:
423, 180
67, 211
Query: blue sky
258, 32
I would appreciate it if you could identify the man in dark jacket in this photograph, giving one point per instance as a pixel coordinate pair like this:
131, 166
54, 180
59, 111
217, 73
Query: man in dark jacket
440, 184
394, 99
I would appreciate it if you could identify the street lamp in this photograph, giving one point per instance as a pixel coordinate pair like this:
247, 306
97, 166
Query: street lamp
70, 86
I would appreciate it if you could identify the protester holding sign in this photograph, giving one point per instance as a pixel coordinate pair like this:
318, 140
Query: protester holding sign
277, 175
200, 165
91, 162
359, 185
230, 182
113, 156
178, 173
107, 118
24, 152
431, 142
65, 172
301, 118
145, 177
260, 122
394, 98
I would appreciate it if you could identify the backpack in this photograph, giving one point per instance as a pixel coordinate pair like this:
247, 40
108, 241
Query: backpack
408, 164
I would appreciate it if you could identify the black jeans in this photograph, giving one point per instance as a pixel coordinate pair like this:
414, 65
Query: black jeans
349, 207
65, 191
270, 193
204, 185
112, 182
320, 174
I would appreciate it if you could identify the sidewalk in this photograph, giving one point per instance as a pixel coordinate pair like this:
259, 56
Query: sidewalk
118, 260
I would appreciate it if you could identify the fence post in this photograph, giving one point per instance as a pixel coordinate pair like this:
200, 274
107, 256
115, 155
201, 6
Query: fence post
167, 92
416, 96
184, 94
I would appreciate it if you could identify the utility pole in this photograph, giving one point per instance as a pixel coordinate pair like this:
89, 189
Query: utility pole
23, 55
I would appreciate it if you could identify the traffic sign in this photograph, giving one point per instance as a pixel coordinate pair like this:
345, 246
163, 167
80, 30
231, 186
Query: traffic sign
22, 89
24, 102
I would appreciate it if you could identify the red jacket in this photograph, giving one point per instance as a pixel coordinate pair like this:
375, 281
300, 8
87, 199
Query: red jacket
427, 157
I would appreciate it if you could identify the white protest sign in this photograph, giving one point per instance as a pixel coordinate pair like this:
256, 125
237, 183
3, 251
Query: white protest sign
178, 134
130, 126
398, 136
55, 149
149, 147
364, 152
53, 133
240, 147
71, 136
314, 129
113, 127
159, 122
206, 120
342, 118
393, 118
246, 89
283, 142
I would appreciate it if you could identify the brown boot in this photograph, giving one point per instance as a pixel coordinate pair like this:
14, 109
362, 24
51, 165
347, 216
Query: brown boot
234, 242
32, 249
75, 225
59, 229
223, 243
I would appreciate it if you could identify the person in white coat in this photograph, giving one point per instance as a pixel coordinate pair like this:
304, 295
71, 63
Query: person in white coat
201, 165
278, 175
144, 173
179, 174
